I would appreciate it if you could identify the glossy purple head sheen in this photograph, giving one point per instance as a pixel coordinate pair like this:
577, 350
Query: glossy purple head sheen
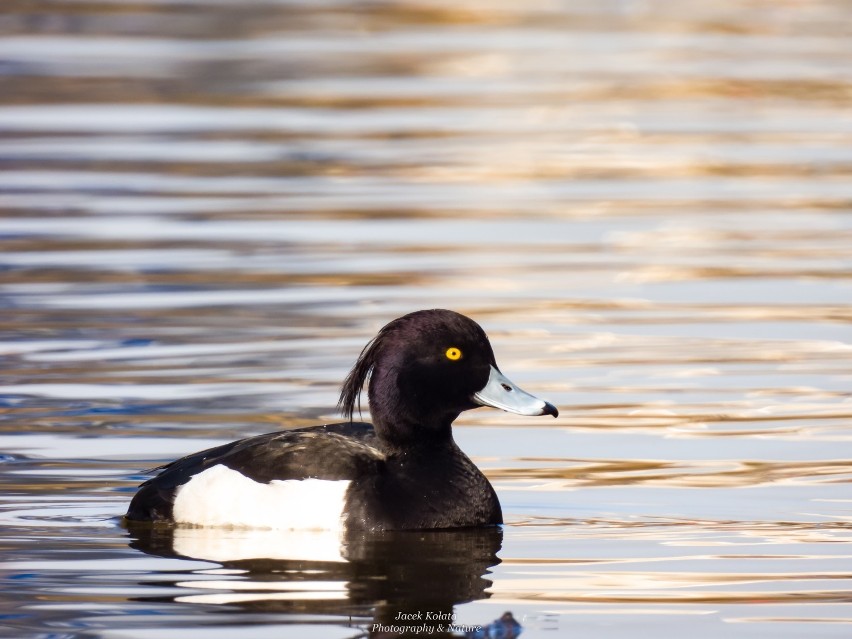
425, 368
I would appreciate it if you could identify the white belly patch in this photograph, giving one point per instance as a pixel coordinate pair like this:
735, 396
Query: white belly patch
220, 496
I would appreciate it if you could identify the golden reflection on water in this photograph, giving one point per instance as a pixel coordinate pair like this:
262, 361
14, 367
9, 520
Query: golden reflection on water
695, 475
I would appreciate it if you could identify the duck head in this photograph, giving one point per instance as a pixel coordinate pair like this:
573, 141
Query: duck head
425, 368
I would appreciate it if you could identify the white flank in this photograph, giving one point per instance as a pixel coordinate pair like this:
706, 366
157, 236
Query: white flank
223, 497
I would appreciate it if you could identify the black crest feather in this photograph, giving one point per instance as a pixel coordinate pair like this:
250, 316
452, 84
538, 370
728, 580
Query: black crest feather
350, 393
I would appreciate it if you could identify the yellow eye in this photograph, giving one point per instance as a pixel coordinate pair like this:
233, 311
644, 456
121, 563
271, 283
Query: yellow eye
453, 353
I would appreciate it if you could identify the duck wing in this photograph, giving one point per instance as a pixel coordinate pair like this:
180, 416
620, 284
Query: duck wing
343, 451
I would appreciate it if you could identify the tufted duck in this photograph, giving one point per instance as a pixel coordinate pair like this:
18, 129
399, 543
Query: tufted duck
403, 472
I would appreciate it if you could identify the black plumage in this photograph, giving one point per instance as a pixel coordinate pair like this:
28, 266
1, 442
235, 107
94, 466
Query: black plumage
405, 470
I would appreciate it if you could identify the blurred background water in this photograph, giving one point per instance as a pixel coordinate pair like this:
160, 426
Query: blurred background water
207, 207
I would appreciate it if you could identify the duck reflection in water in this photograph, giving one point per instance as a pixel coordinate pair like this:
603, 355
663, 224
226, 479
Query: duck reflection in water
387, 584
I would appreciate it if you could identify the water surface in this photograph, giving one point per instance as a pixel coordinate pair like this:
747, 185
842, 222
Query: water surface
207, 208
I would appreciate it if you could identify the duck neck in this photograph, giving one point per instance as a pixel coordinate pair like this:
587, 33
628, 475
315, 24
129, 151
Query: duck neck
406, 416
405, 437
409, 426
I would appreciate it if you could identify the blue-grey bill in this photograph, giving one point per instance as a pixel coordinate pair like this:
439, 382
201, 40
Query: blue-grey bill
502, 393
